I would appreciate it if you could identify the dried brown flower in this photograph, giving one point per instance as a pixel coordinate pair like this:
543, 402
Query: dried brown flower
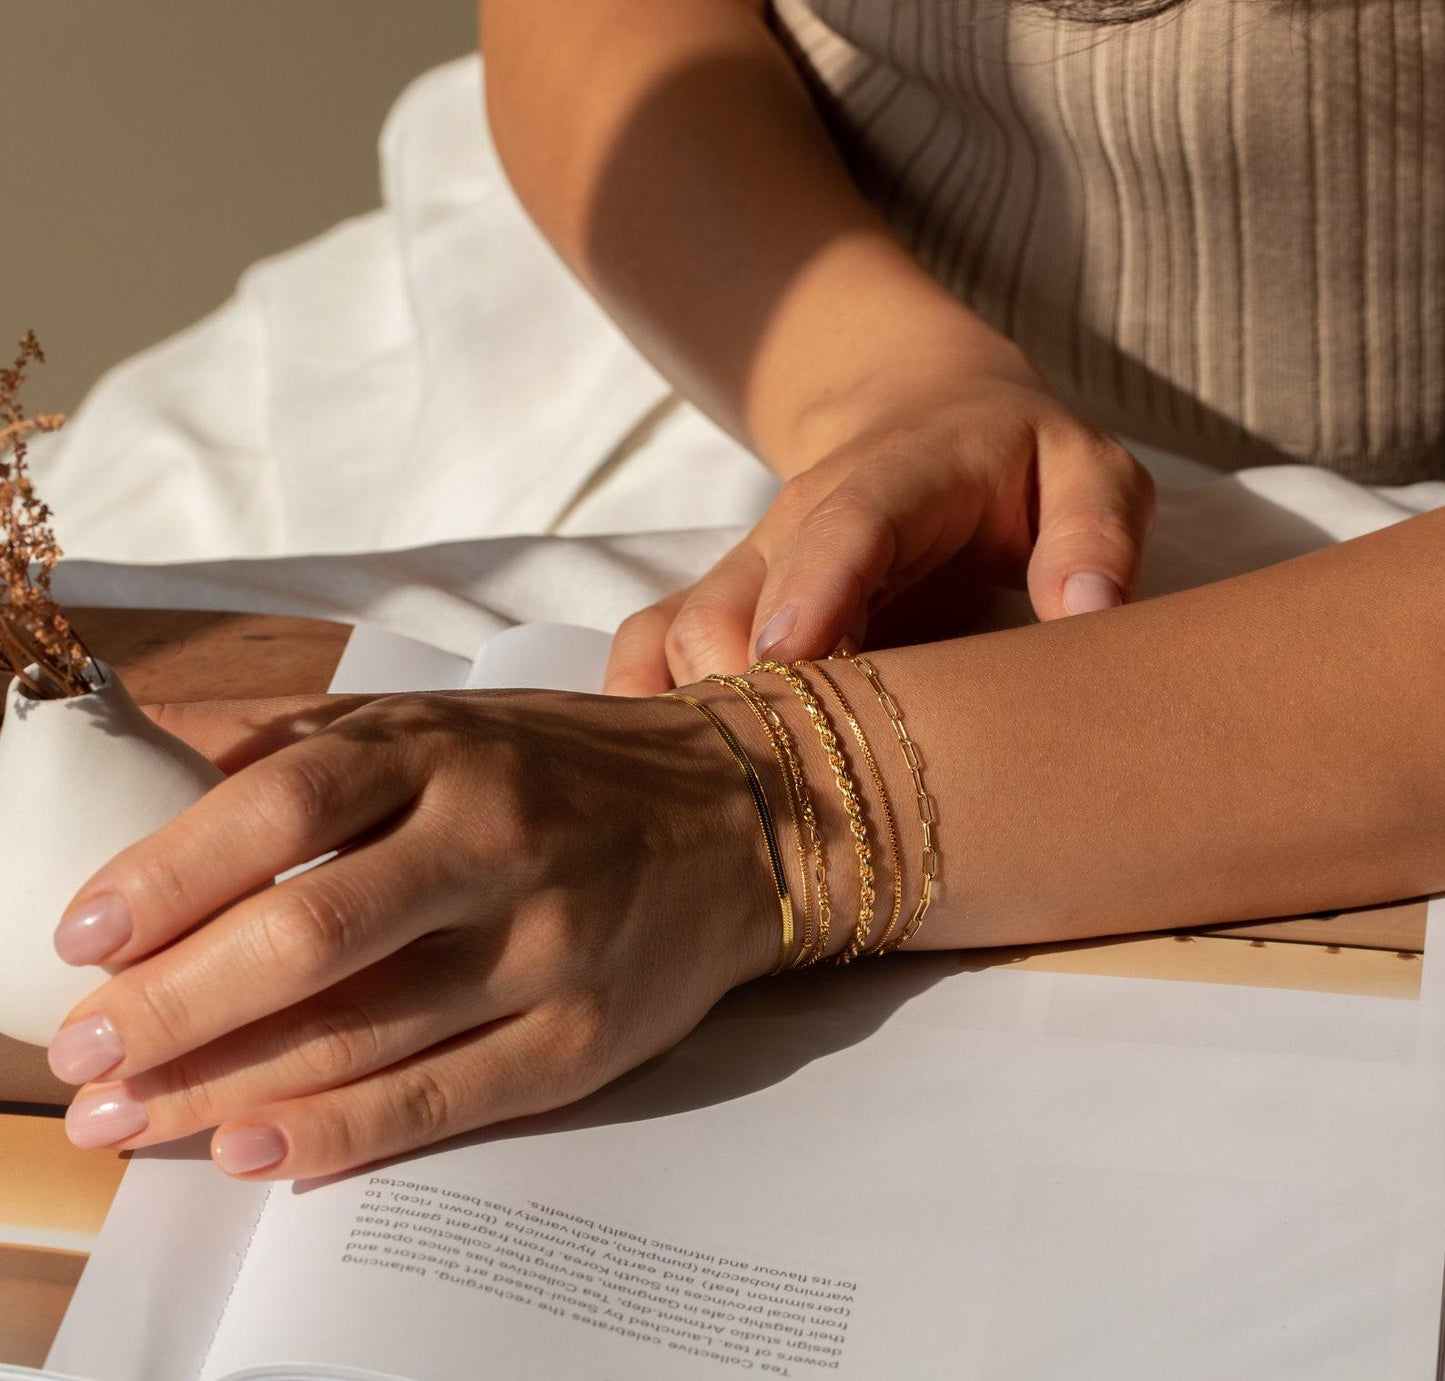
33, 631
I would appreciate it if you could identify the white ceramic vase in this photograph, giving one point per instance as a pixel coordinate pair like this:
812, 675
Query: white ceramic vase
80, 779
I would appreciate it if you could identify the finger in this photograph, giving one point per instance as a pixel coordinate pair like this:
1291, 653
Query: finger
710, 632
1096, 503
284, 810
881, 529
637, 663
234, 733
512, 1068
268, 953
428, 992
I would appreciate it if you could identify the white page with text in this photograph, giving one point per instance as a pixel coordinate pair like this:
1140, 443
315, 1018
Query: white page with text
910, 1170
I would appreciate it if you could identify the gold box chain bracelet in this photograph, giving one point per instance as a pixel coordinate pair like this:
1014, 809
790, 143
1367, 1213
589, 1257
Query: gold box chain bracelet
856, 825
884, 809
922, 800
765, 819
809, 838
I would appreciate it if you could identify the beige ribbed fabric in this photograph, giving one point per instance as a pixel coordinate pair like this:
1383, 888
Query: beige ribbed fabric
1221, 230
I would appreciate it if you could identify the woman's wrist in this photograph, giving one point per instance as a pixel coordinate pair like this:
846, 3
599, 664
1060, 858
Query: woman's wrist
929, 353
892, 873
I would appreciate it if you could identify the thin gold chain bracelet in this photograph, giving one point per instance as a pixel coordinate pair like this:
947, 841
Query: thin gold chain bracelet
884, 808
922, 800
809, 838
765, 819
851, 804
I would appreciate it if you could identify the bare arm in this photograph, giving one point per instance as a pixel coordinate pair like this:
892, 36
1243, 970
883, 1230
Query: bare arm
671, 154
1259, 747
1264, 746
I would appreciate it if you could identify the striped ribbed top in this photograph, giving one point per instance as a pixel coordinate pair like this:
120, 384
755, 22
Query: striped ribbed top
1221, 230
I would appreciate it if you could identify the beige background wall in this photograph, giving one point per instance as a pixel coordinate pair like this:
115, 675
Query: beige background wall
151, 149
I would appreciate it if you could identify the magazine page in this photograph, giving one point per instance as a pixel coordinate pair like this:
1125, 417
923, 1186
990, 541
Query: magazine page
376, 661
545, 656
932, 1168
151, 1298
542, 656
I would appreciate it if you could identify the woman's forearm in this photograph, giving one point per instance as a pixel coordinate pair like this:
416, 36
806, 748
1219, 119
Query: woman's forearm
1264, 746
671, 154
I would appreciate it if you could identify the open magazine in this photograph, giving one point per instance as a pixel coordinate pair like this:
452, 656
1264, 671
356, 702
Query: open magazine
936, 1166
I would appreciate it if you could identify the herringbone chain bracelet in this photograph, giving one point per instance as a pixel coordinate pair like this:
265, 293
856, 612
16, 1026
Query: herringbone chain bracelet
765, 819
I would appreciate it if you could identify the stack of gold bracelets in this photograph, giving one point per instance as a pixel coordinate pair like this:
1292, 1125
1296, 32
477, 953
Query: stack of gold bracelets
806, 927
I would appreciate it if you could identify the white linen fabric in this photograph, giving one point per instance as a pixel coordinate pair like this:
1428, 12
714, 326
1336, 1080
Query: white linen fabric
427, 372
455, 594
422, 421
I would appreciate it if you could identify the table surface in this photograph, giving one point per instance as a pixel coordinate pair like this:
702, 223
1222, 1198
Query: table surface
166, 654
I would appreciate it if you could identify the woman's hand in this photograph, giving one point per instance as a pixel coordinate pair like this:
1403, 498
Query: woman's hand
987, 485
533, 894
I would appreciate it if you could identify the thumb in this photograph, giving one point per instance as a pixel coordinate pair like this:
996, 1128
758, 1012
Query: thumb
850, 549
1096, 504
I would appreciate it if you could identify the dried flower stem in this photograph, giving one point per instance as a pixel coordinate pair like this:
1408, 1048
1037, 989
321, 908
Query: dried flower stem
14, 431
33, 631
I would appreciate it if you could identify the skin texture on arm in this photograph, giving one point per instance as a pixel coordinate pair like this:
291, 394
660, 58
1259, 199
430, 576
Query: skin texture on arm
1264, 746
671, 154
1267, 745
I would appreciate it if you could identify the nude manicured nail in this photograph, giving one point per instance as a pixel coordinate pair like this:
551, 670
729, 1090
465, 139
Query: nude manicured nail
102, 1119
84, 1050
776, 629
241, 1150
1086, 592
93, 928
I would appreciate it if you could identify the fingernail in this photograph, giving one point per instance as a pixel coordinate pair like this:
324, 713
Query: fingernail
102, 1119
244, 1149
1087, 592
92, 929
84, 1050
776, 629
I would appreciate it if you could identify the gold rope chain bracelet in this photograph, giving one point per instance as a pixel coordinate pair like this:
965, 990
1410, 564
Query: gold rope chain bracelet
922, 800
765, 819
884, 809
